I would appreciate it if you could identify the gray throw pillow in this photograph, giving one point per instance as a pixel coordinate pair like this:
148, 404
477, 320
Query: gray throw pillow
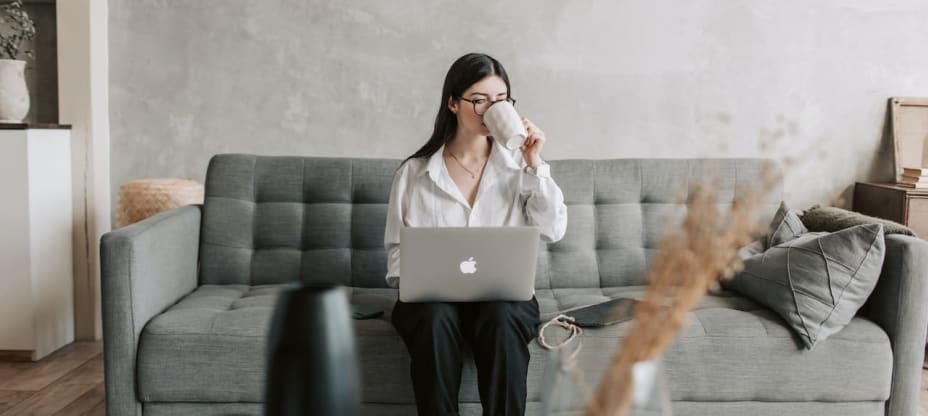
816, 281
832, 219
785, 226
754, 248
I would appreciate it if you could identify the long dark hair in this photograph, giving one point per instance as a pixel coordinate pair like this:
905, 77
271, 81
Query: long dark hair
464, 72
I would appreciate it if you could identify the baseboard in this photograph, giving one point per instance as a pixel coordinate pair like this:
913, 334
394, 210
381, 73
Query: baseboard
15, 355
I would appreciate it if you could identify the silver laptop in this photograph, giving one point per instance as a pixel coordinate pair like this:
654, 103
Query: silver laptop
467, 264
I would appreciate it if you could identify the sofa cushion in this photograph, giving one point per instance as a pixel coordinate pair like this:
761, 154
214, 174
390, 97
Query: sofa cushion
271, 219
209, 347
816, 281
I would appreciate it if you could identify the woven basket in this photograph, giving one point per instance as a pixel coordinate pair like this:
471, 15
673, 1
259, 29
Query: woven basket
143, 198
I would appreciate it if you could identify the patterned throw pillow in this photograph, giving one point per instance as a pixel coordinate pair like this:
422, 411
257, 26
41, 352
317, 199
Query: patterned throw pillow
784, 226
815, 281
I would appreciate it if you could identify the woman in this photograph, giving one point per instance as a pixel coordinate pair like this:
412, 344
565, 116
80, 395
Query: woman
462, 177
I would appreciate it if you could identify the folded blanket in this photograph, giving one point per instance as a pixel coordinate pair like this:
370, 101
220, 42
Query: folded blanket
833, 219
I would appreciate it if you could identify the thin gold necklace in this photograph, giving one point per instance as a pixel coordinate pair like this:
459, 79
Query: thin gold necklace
472, 174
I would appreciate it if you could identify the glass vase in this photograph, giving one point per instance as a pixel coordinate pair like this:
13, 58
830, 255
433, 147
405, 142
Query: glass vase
570, 381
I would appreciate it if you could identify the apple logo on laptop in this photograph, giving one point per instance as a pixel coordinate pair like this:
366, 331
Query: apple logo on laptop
469, 266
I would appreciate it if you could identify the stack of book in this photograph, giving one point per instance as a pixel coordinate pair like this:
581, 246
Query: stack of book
914, 178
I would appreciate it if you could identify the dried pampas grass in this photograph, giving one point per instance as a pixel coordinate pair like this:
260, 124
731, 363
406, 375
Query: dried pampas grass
688, 263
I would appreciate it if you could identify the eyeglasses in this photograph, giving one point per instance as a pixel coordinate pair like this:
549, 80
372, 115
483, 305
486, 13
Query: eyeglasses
481, 105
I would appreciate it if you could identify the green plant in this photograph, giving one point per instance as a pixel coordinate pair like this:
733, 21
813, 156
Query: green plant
15, 27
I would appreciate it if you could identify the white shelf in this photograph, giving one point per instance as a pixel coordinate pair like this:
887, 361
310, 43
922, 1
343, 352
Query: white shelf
36, 276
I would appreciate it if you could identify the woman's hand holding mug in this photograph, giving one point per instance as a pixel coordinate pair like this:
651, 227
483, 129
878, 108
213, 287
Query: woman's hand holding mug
531, 147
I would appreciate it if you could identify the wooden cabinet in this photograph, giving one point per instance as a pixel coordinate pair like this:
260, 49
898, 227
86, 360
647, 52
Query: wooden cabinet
895, 203
36, 276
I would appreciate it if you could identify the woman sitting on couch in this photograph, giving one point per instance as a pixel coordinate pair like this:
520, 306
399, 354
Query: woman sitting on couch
461, 154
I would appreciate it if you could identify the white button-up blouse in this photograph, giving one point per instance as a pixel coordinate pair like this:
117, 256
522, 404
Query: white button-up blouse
424, 195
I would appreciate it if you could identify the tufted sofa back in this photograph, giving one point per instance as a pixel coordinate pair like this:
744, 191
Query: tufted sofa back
273, 219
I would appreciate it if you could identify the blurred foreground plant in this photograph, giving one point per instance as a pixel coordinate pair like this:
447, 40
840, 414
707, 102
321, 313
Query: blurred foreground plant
688, 263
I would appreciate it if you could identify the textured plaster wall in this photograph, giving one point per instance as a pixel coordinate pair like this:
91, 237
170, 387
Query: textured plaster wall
803, 82
42, 72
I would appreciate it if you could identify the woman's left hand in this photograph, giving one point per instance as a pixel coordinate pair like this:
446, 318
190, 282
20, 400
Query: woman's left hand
531, 147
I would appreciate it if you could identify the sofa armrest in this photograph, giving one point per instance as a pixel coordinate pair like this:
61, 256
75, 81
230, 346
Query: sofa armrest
899, 304
145, 267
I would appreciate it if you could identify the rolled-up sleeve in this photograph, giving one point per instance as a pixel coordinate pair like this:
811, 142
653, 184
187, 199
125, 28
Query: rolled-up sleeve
395, 222
544, 203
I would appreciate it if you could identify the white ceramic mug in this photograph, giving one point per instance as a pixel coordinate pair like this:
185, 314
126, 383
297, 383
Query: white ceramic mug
505, 124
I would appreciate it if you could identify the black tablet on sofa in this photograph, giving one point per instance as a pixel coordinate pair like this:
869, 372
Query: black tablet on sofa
606, 313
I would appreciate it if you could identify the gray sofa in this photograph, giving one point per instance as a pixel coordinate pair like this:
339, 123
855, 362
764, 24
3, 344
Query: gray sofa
187, 294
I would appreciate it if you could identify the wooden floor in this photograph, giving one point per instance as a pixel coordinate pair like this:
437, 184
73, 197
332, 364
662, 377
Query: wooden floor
70, 382
923, 398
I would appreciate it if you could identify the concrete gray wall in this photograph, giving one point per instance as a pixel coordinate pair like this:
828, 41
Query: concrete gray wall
803, 82
42, 72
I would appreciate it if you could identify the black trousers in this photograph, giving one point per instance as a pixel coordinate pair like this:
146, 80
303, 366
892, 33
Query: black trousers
498, 333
